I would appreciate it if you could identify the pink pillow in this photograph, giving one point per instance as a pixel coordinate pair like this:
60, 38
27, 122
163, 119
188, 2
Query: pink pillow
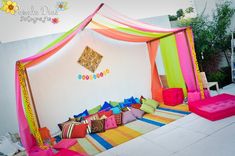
110, 122
65, 143
194, 96
127, 117
66, 152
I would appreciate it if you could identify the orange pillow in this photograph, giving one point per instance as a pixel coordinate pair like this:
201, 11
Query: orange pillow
136, 106
74, 130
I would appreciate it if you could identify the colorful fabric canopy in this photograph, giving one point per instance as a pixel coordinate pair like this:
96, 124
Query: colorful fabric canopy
176, 46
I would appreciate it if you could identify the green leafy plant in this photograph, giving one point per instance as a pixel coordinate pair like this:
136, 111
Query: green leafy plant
189, 10
211, 37
180, 13
172, 17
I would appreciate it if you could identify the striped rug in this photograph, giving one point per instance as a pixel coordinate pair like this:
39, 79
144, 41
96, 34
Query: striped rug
93, 144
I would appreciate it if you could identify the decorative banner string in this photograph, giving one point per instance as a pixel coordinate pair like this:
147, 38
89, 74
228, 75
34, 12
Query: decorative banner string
93, 76
189, 32
27, 106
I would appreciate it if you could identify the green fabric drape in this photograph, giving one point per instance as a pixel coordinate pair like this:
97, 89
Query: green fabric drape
171, 63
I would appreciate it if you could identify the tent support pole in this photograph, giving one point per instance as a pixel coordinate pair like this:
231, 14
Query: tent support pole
167, 35
32, 99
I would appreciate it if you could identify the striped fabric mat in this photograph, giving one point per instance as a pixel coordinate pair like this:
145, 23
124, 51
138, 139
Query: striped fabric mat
93, 144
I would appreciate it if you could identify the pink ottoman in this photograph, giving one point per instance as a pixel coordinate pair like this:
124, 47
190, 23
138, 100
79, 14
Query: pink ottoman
214, 108
173, 96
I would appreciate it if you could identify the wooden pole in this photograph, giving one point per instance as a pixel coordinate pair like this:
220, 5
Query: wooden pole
32, 99
172, 33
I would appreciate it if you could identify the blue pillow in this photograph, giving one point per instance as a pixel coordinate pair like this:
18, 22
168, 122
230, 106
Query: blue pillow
125, 104
116, 110
130, 100
83, 114
106, 106
137, 100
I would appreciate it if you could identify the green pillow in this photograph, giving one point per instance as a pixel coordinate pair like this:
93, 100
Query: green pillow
151, 103
94, 110
147, 108
114, 104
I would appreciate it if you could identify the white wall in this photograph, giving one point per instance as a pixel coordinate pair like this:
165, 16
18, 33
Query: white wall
13, 29
59, 94
160, 21
9, 54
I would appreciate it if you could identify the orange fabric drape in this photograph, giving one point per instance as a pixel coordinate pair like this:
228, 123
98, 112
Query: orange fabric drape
156, 87
47, 55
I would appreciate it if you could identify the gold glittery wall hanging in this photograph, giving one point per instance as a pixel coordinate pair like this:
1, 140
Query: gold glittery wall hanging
90, 59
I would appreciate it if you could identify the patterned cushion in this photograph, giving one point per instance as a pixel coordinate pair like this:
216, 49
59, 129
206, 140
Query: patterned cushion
137, 113
97, 126
103, 117
74, 130
127, 117
126, 109
88, 121
105, 113
136, 105
118, 118
70, 120
110, 122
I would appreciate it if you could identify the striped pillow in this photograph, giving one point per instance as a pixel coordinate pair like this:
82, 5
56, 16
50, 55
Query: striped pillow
74, 130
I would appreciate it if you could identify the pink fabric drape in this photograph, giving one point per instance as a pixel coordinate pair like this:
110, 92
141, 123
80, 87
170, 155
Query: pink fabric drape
117, 17
189, 35
156, 87
186, 61
26, 137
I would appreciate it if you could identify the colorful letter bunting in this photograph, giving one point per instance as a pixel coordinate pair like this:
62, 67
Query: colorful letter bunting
93, 76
